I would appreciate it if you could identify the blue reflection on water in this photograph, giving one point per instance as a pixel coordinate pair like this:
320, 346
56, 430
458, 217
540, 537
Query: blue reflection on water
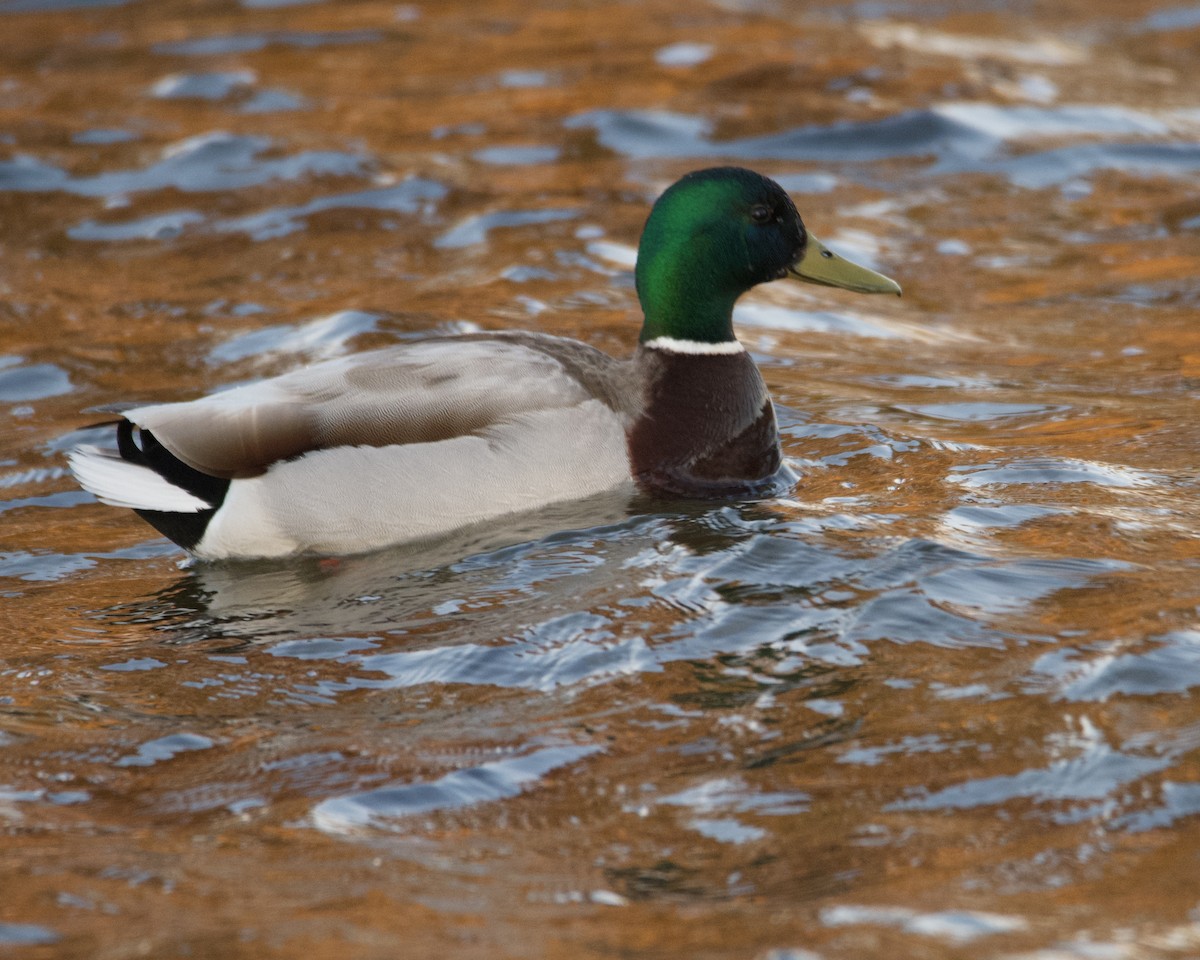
205, 163
485, 783
957, 137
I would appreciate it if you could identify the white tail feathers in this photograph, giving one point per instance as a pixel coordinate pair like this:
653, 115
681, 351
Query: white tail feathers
120, 483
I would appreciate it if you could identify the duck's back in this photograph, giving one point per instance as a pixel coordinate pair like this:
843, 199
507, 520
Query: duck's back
422, 392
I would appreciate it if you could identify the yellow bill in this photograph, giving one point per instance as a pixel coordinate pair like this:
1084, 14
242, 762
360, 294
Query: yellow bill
821, 265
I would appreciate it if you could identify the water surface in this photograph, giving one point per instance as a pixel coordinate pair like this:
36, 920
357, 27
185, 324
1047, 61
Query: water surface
934, 702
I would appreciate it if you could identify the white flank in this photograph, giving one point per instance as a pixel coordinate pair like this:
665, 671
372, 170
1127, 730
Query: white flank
122, 484
696, 347
345, 500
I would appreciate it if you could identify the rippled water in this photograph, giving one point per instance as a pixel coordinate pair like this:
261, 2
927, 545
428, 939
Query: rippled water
936, 702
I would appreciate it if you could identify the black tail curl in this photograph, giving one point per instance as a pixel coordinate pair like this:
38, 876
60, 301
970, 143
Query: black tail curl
144, 449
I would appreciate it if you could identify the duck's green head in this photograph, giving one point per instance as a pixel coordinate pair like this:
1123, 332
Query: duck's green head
715, 234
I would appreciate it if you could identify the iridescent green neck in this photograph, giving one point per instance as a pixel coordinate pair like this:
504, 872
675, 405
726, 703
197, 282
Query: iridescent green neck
682, 302
687, 275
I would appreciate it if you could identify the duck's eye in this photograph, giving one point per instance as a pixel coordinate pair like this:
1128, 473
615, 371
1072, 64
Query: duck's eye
761, 213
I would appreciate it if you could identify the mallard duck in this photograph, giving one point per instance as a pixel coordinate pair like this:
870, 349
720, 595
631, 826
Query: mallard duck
414, 441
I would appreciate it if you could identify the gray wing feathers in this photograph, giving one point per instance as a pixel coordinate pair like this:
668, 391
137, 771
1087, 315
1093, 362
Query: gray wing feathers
417, 393
227, 439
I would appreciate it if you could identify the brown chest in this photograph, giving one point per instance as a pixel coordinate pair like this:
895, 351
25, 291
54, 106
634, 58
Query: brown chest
707, 427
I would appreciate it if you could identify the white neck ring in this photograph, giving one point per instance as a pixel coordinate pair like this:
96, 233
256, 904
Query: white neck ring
695, 347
